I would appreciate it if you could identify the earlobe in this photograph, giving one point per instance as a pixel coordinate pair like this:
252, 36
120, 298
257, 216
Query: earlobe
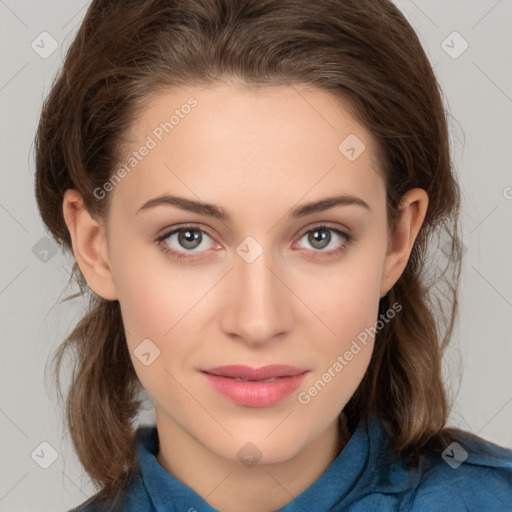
403, 236
89, 245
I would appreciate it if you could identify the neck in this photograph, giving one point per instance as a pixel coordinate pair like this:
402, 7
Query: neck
230, 486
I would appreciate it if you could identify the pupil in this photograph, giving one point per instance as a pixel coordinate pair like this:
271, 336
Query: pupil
319, 236
188, 238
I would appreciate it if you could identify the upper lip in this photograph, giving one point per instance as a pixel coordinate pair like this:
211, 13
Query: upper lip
251, 373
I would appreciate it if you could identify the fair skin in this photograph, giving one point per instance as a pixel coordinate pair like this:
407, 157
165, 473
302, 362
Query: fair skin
258, 154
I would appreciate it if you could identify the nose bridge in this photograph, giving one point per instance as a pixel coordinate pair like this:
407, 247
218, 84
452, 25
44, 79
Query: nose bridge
258, 306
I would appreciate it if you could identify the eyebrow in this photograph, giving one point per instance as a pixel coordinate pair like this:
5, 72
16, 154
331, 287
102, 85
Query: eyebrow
218, 212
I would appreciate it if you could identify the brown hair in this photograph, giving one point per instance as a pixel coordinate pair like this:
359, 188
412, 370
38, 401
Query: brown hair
363, 52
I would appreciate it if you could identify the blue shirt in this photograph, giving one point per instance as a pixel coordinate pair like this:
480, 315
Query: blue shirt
364, 477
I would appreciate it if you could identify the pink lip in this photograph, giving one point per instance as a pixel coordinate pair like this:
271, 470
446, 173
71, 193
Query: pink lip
252, 392
249, 373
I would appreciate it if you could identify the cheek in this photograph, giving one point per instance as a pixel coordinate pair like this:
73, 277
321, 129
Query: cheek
159, 307
145, 306
347, 300
149, 292
348, 305
156, 337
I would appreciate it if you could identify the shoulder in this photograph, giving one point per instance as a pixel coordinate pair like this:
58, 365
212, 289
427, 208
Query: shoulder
133, 499
93, 504
468, 476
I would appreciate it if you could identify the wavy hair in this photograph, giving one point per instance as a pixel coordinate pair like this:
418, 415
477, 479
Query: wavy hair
364, 53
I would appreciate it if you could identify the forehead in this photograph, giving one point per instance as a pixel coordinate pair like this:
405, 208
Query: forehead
243, 145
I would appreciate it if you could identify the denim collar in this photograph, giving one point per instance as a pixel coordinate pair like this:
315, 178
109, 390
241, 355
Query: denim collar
362, 467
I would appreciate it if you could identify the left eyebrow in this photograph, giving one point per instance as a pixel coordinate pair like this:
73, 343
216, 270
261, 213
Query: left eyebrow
219, 213
327, 204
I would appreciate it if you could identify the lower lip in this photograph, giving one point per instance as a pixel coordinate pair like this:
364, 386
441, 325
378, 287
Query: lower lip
255, 393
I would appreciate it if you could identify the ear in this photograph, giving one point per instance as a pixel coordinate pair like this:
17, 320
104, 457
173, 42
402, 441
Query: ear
403, 236
89, 243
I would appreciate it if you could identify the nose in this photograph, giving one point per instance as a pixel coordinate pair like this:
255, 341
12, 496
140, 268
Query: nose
259, 308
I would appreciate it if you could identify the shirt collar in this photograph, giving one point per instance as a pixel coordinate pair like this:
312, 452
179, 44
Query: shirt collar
362, 466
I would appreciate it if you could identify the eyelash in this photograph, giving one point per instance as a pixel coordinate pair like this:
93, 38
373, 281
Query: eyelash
179, 255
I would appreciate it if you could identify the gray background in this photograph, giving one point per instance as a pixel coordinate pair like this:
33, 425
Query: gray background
478, 90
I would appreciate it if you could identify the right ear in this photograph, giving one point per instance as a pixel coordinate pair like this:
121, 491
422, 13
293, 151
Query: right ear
89, 243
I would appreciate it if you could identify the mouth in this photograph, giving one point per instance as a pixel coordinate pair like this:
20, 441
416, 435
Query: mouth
248, 373
255, 387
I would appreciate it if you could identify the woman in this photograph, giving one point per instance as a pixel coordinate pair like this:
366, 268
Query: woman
250, 190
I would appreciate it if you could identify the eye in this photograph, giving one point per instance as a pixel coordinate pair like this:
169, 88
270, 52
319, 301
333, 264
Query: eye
187, 239
321, 237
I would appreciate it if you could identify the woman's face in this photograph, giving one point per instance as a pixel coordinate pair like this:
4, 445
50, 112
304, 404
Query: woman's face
272, 282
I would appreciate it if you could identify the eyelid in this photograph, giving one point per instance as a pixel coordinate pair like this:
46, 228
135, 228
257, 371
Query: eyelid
324, 224
347, 239
314, 225
190, 255
183, 227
